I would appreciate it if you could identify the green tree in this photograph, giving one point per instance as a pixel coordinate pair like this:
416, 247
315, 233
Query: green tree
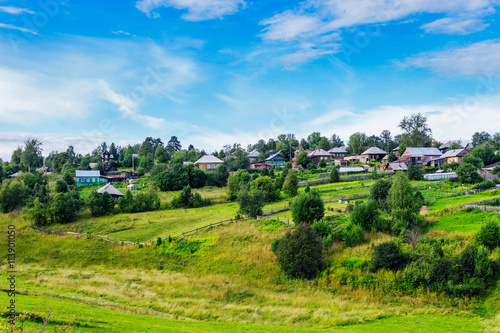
489, 235
467, 174
388, 256
302, 159
100, 204
314, 139
63, 208
16, 156
290, 185
31, 153
161, 154
496, 170
366, 216
357, 143
68, 179
474, 160
334, 175
404, 208
308, 207
173, 145
13, 194
379, 192
336, 141
416, 131
415, 172
299, 253
479, 138
61, 186
265, 184
486, 153
36, 213
251, 202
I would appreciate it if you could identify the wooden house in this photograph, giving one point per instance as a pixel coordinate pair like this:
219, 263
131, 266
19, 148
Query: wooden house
420, 155
338, 152
106, 156
208, 163
373, 154
318, 155
85, 177
111, 190
260, 165
396, 166
253, 155
275, 160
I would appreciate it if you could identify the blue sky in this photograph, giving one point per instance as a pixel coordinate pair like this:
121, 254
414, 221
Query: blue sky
215, 72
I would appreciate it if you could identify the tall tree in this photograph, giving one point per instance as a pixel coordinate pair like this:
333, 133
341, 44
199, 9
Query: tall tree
336, 141
32, 150
479, 138
314, 139
416, 131
357, 143
173, 145
386, 138
16, 156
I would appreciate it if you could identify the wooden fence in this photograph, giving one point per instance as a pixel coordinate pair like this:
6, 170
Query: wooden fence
482, 205
211, 225
81, 235
342, 178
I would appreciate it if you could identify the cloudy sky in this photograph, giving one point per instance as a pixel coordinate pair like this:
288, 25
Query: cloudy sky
214, 72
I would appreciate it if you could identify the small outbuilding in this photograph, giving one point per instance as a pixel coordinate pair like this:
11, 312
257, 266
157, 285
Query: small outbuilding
132, 187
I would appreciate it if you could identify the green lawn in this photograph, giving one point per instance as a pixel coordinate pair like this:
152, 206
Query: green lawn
464, 221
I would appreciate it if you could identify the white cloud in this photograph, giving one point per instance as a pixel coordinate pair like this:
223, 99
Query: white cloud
482, 58
13, 27
450, 25
15, 10
120, 32
197, 10
81, 75
319, 22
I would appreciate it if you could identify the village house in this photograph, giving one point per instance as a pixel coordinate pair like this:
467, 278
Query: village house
373, 154
396, 166
275, 160
485, 171
260, 165
111, 190
338, 152
253, 155
86, 177
106, 156
445, 146
208, 163
318, 155
420, 155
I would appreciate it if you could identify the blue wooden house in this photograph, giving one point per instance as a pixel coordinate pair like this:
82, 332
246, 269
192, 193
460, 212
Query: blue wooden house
276, 160
85, 177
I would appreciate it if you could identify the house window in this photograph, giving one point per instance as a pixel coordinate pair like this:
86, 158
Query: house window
213, 166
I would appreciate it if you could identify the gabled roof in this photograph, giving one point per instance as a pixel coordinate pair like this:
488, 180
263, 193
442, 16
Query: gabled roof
318, 152
491, 166
446, 145
253, 153
455, 152
110, 189
88, 173
209, 159
424, 151
398, 166
276, 156
374, 151
396, 149
338, 150
351, 169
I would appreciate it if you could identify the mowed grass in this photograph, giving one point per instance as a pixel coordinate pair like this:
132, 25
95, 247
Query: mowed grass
467, 221
86, 317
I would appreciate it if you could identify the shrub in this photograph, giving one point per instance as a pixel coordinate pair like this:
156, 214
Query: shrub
61, 186
308, 207
69, 179
467, 173
265, 184
388, 256
13, 194
380, 191
496, 170
63, 208
352, 234
322, 164
100, 204
487, 184
299, 253
251, 202
187, 199
415, 172
489, 235
322, 227
366, 216
290, 185
334, 175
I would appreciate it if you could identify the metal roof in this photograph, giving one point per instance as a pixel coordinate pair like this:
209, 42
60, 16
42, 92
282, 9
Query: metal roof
318, 152
209, 159
424, 151
453, 153
254, 153
275, 156
374, 151
88, 173
338, 150
110, 189
351, 169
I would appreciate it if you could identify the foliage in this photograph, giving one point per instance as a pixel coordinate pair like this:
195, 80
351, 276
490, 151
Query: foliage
485, 185
63, 208
352, 234
357, 143
379, 192
302, 159
141, 202
36, 213
308, 207
251, 201
13, 194
467, 174
322, 164
334, 175
489, 235
265, 184
472, 159
486, 153
299, 253
61, 186
290, 185
100, 204
404, 208
388, 255
366, 216
322, 227
416, 131
495, 170
415, 172
187, 199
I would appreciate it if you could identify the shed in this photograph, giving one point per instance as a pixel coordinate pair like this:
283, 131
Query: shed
132, 187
